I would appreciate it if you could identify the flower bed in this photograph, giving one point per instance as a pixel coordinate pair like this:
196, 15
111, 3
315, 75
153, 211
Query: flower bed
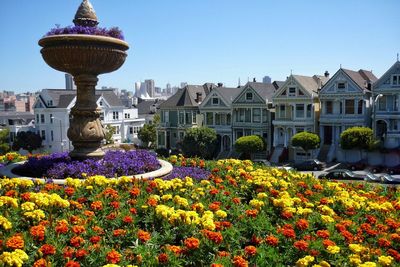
240, 216
114, 32
114, 164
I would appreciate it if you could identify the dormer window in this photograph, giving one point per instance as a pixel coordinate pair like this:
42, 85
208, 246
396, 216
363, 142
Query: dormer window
50, 103
215, 101
292, 91
249, 96
341, 85
396, 79
101, 103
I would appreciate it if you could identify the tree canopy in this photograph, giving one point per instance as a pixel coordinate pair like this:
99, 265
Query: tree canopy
27, 140
357, 138
148, 133
249, 144
306, 140
200, 142
4, 137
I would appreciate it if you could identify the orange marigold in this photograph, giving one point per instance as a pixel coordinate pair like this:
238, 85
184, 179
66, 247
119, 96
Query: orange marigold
119, 232
134, 192
96, 205
143, 236
301, 245
37, 232
289, 233
113, 256
76, 241
78, 229
192, 243
15, 242
384, 243
238, 261
272, 240
250, 250
323, 234
72, 264
223, 254
47, 249
40, 263
81, 253
302, 224
217, 265
162, 258
328, 242
216, 237
175, 249
252, 213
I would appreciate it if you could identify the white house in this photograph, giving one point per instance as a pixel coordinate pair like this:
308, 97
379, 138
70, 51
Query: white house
52, 109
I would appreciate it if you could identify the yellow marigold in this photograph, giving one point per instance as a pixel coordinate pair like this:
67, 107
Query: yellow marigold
333, 249
327, 219
181, 201
385, 260
15, 258
262, 195
5, 223
124, 180
304, 211
305, 261
35, 215
73, 182
166, 197
112, 265
221, 214
324, 264
356, 248
10, 201
355, 259
367, 264
28, 206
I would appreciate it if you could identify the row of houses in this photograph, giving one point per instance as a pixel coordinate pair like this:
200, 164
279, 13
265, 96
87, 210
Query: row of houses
321, 104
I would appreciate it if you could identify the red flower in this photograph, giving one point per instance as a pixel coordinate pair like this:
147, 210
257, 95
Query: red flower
119, 232
69, 191
72, 264
96, 205
384, 243
328, 242
40, 263
223, 254
81, 253
250, 250
289, 233
152, 202
238, 261
286, 215
302, 224
314, 252
133, 210
192, 243
94, 239
68, 252
113, 256
216, 237
47, 249
143, 236
114, 204
76, 241
78, 229
301, 245
134, 192
37, 232
127, 219
272, 240
15, 242
175, 249
162, 258
323, 234
252, 213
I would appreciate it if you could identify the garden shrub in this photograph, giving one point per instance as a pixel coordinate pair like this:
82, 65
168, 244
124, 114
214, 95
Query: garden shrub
249, 144
199, 142
306, 140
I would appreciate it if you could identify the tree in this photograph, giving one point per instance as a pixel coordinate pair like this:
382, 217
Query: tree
110, 131
306, 141
200, 142
4, 137
249, 144
357, 138
28, 141
148, 133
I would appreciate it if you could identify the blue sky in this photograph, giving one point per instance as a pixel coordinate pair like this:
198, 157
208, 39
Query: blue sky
199, 41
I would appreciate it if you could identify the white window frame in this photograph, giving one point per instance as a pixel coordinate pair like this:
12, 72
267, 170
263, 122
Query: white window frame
292, 93
397, 76
339, 88
247, 96
213, 102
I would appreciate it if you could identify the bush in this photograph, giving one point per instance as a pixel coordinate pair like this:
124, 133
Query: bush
199, 142
249, 144
306, 140
357, 138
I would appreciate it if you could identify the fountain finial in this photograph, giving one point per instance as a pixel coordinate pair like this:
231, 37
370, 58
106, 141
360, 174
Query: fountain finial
85, 15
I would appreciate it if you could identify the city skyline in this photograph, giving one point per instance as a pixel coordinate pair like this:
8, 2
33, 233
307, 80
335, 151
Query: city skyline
209, 41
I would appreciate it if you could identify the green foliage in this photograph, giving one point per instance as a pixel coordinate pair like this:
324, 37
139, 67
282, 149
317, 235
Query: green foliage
249, 144
306, 140
148, 133
4, 137
199, 142
110, 131
28, 141
357, 138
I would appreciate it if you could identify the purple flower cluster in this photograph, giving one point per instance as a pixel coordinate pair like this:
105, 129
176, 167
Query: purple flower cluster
193, 172
114, 163
114, 32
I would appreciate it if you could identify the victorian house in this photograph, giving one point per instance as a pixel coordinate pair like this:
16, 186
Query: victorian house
180, 112
296, 110
252, 114
345, 102
216, 110
386, 115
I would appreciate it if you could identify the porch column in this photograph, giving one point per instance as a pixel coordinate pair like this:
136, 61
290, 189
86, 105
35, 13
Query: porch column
322, 134
275, 137
286, 136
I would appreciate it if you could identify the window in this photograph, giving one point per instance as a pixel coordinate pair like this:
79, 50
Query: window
101, 103
131, 130
115, 115
215, 101
241, 115
360, 107
223, 119
282, 111
43, 135
309, 107
256, 115
50, 103
341, 85
37, 118
116, 129
328, 107
382, 103
249, 96
300, 110
161, 138
349, 106
102, 116
127, 115
209, 118
42, 118
162, 116
247, 132
393, 125
301, 92
51, 118
217, 119
396, 80
181, 117
340, 107
228, 119
188, 117
51, 135
247, 115
292, 91
264, 115
194, 117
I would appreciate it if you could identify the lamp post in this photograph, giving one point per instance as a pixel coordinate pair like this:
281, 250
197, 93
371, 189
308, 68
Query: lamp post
61, 140
374, 113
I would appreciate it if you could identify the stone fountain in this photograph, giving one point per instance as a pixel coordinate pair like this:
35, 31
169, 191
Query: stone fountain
84, 57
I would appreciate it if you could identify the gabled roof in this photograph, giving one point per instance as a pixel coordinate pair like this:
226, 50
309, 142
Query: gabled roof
278, 84
144, 105
361, 77
227, 93
265, 90
384, 76
311, 84
186, 97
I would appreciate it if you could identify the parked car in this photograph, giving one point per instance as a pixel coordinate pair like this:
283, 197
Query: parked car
358, 165
370, 177
390, 179
341, 174
377, 168
393, 170
309, 165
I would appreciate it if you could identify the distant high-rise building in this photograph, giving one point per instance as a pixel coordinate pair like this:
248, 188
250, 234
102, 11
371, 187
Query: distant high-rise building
69, 82
267, 80
169, 88
183, 84
150, 87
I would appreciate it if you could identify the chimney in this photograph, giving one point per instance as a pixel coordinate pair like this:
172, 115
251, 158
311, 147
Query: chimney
199, 97
326, 74
220, 84
254, 80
